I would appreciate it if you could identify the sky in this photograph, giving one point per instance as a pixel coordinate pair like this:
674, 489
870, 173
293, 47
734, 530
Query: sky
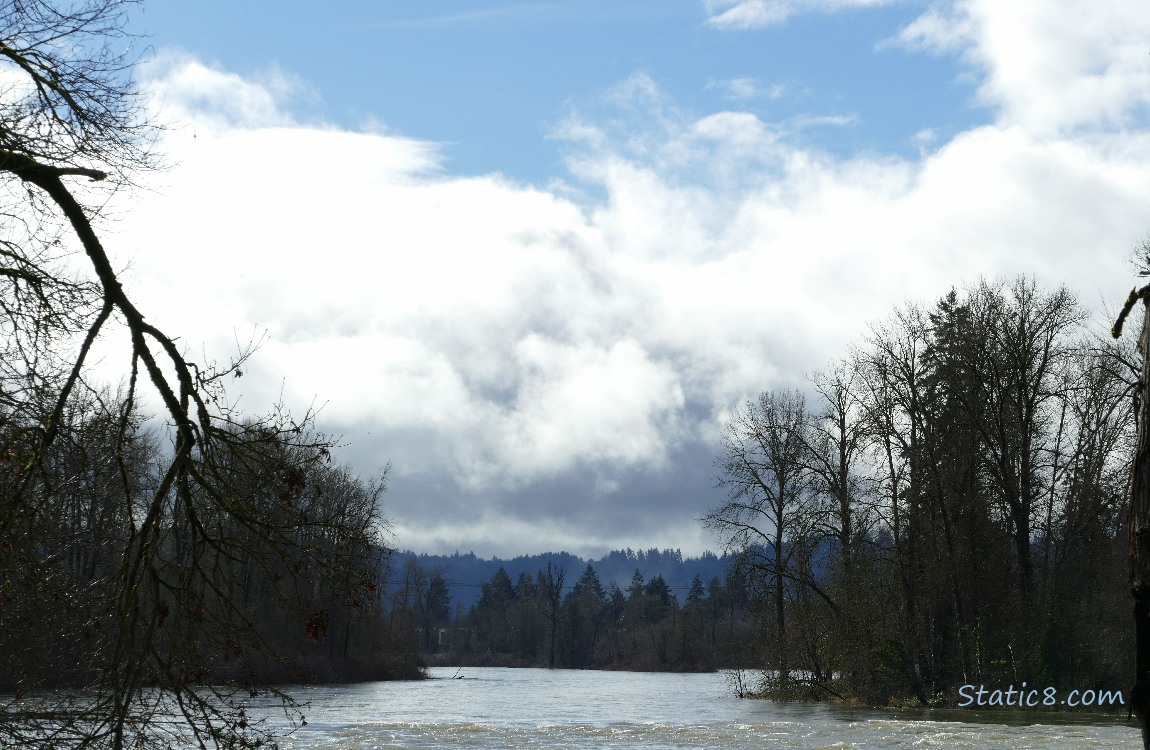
532, 254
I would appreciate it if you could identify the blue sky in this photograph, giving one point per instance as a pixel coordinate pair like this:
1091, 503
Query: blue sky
493, 82
532, 254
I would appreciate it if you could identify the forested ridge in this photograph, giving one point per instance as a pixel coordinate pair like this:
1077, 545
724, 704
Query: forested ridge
548, 619
465, 573
666, 612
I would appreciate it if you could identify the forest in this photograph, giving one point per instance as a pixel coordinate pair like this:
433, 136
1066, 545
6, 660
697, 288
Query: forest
945, 506
269, 573
545, 619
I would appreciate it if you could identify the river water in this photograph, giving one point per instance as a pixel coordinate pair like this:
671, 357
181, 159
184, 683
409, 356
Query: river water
544, 709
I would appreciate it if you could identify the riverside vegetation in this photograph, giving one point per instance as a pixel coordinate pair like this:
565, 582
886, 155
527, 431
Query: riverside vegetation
949, 509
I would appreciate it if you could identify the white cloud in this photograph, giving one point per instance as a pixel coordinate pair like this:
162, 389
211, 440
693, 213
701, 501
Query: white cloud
752, 14
925, 136
938, 31
1051, 67
743, 88
746, 88
587, 403
494, 337
185, 89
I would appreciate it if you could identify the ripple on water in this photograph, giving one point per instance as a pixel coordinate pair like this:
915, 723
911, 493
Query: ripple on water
572, 710
868, 736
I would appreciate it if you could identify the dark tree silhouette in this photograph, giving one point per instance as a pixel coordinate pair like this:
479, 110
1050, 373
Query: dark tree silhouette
1139, 521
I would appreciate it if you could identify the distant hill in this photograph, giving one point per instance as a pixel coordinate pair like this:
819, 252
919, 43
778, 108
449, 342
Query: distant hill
466, 573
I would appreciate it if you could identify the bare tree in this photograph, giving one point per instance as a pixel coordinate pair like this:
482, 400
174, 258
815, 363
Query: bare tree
893, 391
838, 439
551, 599
1019, 344
769, 512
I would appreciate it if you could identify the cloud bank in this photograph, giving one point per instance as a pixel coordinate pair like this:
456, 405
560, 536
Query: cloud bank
548, 366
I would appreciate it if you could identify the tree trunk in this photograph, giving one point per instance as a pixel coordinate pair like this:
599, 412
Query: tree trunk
1140, 541
780, 612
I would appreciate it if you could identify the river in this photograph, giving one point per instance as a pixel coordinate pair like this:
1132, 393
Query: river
535, 708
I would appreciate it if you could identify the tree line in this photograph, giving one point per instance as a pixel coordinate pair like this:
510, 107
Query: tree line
268, 571
543, 620
944, 506
465, 573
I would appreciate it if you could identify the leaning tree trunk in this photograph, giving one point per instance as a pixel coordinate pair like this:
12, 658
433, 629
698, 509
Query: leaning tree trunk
1139, 528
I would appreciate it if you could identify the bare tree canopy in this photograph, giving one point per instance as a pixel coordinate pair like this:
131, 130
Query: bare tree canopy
945, 507
69, 99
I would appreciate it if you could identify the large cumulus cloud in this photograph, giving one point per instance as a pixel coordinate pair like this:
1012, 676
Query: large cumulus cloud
548, 365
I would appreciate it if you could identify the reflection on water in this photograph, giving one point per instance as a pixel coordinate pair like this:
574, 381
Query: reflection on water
518, 708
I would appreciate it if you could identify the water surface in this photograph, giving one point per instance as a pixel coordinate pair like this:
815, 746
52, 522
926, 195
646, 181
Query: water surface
533, 708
